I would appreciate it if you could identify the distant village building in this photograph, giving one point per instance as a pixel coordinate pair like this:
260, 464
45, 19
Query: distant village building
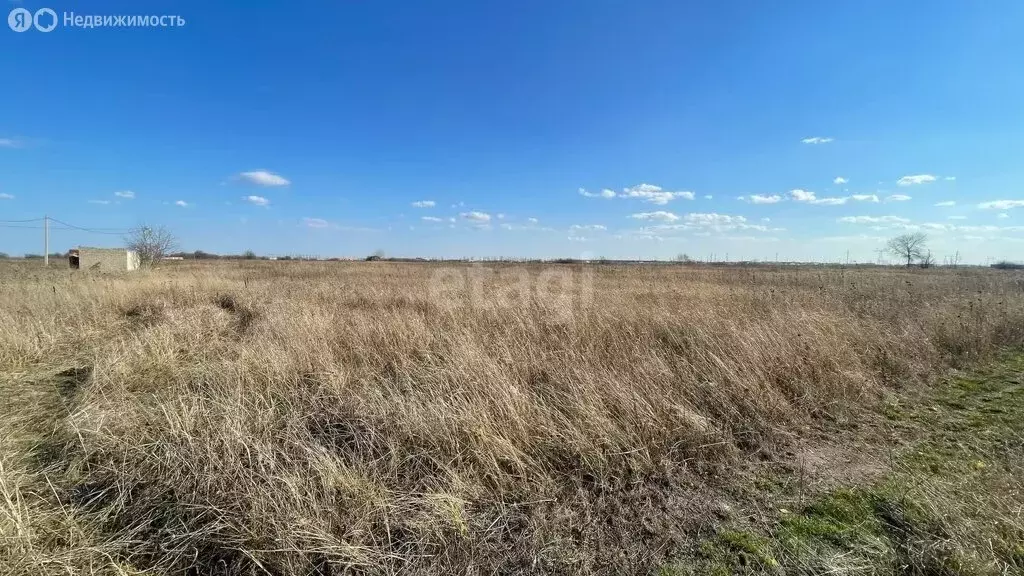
104, 259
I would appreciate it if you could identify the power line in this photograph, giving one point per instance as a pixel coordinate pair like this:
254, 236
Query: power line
26, 225
111, 231
89, 231
16, 224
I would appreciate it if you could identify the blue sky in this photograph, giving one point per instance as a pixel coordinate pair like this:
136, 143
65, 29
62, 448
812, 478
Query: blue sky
697, 127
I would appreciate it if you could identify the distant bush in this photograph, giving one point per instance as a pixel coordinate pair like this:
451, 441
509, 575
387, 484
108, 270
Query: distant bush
1007, 265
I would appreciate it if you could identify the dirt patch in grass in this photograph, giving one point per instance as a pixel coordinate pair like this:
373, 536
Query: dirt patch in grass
146, 313
69, 381
244, 316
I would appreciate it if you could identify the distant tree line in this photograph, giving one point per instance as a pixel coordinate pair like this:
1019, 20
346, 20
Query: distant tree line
247, 255
155, 243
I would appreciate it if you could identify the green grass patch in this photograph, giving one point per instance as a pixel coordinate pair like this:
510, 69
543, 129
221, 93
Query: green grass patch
950, 507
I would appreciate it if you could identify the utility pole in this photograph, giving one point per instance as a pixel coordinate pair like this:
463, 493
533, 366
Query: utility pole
46, 241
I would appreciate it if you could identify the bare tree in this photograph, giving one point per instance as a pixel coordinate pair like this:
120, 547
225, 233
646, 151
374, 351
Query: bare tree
927, 261
955, 260
150, 243
909, 247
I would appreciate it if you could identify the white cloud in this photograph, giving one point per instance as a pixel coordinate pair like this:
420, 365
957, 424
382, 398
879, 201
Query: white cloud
751, 238
5, 196
950, 178
660, 215
801, 195
672, 227
315, 222
830, 201
606, 193
1001, 214
709, 222
9, 143
424, 204
857, 238
915, 180
939, 228
578, 239
432, 219
957, 218
181, 203
713, 219
840, 180
808, 197
874, 220
103, 202
708, 196
531, 226
654, 194
946, 203
257, 200
588, 227
864, 197
760, 199
645, 192
817, 140
897, 198
128, 194
476, 216
500, 216
1001, 204
264, 178
638, 235
989, 228
766, 220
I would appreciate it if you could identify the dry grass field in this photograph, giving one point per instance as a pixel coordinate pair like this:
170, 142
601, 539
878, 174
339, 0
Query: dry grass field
386, 418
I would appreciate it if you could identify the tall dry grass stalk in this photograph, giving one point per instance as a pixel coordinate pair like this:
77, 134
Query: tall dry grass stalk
326, 418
